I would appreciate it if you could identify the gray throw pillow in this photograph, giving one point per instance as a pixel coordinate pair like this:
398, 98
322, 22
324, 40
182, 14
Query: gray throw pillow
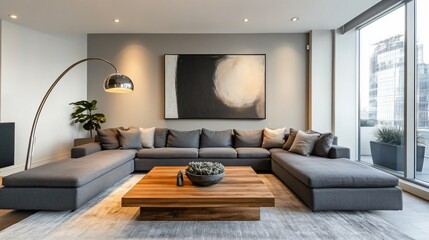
247, 138
216, 138
183, 139
108, 138
160, 139
290, 139
130, 139
304, 143
323, 145
274, 138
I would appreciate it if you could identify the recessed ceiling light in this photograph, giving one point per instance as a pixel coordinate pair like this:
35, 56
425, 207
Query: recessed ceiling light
294, 19
13, 16
116, 20
245, 20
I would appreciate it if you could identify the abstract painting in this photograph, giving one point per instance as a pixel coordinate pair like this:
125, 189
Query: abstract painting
215, 86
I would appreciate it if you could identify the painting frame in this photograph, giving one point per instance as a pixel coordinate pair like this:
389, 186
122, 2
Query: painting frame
215, 86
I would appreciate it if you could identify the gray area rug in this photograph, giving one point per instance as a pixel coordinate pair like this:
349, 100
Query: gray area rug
104, 218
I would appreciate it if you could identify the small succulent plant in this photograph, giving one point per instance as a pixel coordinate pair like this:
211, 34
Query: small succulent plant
205, 168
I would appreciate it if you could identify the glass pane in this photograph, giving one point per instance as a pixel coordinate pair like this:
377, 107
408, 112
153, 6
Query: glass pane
381, 70
422, 88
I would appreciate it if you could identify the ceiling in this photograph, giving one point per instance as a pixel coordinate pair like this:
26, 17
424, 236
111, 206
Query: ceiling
182, 16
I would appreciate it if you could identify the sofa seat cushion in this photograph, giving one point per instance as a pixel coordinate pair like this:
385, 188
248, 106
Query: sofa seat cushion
319, 172
168, 152
217, 152
72, 172
252, 152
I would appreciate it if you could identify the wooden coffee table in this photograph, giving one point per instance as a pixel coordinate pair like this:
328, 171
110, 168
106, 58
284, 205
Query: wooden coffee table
239, 196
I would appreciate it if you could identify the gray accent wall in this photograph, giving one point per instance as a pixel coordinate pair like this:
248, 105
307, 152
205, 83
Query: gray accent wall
141, 57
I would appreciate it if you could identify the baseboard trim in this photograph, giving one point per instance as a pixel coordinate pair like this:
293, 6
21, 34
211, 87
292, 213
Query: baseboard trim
20, 167
414, 189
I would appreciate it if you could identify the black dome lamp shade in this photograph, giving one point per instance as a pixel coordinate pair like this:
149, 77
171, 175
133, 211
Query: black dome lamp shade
114, 83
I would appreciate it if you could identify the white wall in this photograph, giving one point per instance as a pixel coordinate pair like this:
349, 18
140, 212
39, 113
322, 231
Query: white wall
141, 57
30, 62
345, 91
320, 80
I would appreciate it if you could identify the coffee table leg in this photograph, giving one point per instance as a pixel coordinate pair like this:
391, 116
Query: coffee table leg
200, 214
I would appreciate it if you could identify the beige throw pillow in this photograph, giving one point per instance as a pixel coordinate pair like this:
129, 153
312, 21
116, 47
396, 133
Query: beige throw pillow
304, 143
274, 138
290, 139
147, 136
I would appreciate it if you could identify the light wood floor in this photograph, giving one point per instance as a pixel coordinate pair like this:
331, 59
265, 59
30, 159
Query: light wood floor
412, 220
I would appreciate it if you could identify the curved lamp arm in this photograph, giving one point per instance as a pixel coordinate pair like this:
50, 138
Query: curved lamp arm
124, 84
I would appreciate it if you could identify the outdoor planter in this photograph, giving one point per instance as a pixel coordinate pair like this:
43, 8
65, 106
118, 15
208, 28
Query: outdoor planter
392, 156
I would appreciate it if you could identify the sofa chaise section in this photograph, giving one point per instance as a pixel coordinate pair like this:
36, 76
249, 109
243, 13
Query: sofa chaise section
66, 184
336, 184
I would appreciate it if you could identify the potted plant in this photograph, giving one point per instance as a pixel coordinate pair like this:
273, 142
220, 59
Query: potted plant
205, 173
388, 149
83, 114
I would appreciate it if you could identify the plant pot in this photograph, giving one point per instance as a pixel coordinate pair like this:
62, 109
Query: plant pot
392, 156
204, 180
81, 141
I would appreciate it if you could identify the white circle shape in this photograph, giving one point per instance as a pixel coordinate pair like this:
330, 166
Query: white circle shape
239, 80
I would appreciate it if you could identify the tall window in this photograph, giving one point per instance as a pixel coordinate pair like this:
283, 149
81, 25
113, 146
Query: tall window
422, 89
381, 73
382, 77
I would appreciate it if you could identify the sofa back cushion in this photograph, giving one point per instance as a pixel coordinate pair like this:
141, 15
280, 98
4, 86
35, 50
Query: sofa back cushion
160, 139
247, 138
108, 138
216, 138
183, 139
130, 138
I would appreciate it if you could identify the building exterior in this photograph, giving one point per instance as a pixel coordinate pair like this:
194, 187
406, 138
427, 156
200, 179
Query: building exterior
386, 85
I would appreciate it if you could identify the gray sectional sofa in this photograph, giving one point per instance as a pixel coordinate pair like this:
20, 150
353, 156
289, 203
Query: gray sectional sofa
323, 183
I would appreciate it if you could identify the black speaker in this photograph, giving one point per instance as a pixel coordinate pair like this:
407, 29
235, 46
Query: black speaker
7, 144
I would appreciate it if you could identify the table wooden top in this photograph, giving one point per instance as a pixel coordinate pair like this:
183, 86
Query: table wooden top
240, 187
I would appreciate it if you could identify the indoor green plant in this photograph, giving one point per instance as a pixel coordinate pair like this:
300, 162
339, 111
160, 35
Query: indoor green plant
388, 149
205, 173
84, 114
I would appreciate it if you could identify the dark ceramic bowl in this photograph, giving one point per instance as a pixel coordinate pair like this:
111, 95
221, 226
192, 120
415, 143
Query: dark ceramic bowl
204, 180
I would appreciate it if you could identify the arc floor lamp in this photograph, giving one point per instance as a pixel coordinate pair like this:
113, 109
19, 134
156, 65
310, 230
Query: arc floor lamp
114, 83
